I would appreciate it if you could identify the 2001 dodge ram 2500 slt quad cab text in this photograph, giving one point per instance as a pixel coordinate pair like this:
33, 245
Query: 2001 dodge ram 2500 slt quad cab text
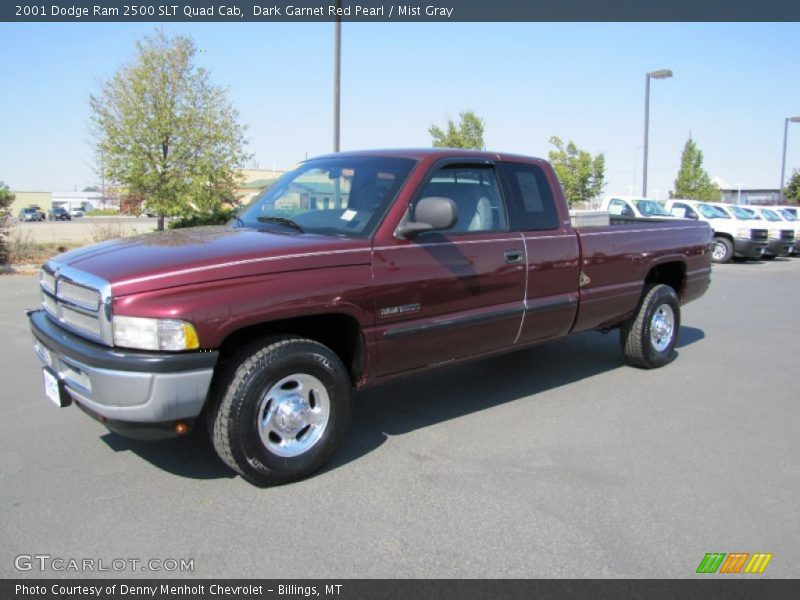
351, 269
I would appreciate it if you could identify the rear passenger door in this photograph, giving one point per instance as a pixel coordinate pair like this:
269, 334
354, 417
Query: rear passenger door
444, 295
551, 249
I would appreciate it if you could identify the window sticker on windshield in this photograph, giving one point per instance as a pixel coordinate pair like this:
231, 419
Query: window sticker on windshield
348, 215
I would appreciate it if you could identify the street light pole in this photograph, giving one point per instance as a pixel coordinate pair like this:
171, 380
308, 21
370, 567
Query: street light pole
783, 159
660, 74
337, 73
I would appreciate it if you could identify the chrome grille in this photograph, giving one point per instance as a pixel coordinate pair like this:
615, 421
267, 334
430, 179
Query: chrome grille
48, 281
759, 235
787, 235
77, 301
82, 321
78, 295
49, 304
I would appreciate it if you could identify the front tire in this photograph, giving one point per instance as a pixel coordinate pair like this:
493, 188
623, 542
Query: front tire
280, 410
722, 251
648, 339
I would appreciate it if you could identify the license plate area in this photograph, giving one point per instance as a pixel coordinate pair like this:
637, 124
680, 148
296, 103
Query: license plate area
54, 389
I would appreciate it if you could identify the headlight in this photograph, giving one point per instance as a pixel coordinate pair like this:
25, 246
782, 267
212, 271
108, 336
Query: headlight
154, 334
743, 233
774, 234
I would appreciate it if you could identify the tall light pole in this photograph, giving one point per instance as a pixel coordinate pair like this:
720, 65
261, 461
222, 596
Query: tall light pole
660, 74
783, 160
337, 75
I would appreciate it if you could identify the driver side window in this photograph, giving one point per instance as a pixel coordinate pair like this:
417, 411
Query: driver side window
476, 194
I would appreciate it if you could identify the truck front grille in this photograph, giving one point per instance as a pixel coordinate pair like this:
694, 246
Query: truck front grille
77, 301
759, 235
787, 235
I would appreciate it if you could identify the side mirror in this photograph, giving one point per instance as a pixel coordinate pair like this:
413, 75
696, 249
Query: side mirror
430, 214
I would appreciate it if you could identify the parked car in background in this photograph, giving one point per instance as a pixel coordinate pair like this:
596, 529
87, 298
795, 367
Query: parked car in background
633, 207
59, 214
31, 213
732, 238
76, 212
781, 234
791, 216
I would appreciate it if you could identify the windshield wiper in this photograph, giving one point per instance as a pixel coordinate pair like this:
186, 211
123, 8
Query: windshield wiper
281, 221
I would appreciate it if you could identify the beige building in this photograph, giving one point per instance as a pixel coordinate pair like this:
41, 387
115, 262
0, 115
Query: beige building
43, 200
254, 181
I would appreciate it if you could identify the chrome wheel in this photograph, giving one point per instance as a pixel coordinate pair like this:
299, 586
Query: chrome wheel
293, 415
719, 252
662, 327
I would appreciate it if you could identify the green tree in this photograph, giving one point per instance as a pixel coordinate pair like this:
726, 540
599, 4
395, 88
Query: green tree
468, 134
581, 174
166, 133
692, 181
792, 191
6, 200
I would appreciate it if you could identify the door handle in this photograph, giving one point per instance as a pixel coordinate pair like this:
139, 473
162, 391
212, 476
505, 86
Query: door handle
513, 256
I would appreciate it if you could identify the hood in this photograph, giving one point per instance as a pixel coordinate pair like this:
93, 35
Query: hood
188, 256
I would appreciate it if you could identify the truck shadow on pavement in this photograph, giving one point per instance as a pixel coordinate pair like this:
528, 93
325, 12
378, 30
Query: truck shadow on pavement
192, 456
409, 403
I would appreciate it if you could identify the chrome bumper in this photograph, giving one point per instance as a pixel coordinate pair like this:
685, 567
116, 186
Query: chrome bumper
121, 385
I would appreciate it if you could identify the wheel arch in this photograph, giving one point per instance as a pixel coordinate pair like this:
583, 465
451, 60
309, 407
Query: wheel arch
671, 273
338, 331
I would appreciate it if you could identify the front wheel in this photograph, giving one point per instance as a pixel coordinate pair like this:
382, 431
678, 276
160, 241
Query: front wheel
648, 339
722, 251
281, 410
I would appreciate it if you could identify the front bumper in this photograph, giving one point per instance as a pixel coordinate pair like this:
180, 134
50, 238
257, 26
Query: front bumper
747, 248
779, 247
122, 385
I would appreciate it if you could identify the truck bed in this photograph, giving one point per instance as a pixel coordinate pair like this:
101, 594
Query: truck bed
616, 260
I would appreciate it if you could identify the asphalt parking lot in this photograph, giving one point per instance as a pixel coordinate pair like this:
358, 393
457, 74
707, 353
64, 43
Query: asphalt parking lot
557, 461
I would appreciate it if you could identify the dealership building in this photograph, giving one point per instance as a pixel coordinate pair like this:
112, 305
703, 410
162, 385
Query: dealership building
750, 196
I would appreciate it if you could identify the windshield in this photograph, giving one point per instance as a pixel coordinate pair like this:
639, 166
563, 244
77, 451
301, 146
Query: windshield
712, 212
788, 214
769, 215
651, 208
344, 196
743, 214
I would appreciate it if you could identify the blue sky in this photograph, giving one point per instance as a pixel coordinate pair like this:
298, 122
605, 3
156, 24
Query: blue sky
733, 86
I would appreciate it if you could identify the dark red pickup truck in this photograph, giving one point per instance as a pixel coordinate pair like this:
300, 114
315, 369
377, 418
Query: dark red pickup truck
351, 269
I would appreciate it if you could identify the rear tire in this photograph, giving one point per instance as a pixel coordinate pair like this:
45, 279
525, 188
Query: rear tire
722, 251
280, 410
648, 339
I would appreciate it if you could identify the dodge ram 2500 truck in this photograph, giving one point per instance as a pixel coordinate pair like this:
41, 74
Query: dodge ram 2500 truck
353, 268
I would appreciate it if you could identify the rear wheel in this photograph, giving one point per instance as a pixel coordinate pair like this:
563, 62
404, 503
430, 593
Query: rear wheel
648, 339
722, 251
281, 410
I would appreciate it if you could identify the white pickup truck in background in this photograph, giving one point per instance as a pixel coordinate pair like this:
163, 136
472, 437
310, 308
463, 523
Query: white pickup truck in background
732, 237
782, 233
634, 207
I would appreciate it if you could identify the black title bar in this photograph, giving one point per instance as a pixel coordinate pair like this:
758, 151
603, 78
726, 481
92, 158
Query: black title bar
398, 589
388, 11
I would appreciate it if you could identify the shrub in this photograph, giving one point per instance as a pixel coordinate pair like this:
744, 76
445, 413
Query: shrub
6, 198
218, 217
102, 232
103, 212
